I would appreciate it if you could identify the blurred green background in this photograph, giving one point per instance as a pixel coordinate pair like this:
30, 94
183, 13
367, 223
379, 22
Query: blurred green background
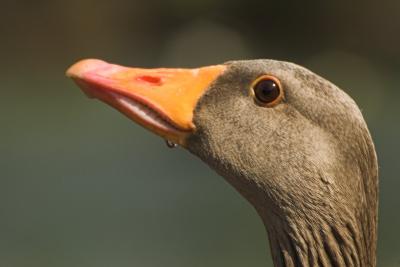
81, 185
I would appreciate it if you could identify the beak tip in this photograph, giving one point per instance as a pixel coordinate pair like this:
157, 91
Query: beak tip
78, 69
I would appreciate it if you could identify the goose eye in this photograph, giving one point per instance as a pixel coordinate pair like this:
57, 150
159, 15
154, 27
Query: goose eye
267, 90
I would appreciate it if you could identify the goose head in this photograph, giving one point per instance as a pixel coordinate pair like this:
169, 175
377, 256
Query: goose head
292, 143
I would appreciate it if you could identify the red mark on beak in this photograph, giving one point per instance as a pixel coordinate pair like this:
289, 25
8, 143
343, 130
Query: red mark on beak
154, 80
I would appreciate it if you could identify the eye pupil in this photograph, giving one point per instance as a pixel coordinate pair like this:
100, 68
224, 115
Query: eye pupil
267, 91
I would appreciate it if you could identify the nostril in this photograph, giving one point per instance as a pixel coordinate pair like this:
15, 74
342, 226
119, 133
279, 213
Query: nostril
149, 79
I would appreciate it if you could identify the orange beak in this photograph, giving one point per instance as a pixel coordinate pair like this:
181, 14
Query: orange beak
162, 100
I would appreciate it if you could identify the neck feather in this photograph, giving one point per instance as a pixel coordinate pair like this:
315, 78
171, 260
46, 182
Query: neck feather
299, 242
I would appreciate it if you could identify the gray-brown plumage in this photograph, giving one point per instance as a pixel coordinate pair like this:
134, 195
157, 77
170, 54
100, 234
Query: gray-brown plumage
307, 165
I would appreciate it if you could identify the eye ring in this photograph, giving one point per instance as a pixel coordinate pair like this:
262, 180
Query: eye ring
267, 91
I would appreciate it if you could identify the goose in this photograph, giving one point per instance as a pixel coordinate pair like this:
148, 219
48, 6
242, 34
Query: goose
289, 141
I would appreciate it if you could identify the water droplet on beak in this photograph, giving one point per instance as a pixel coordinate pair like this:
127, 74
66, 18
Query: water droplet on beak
170, 144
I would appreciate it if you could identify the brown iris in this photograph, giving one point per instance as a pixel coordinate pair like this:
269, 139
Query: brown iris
267, 90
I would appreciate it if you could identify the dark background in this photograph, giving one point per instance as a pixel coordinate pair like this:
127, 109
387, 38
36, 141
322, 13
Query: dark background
81, 185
